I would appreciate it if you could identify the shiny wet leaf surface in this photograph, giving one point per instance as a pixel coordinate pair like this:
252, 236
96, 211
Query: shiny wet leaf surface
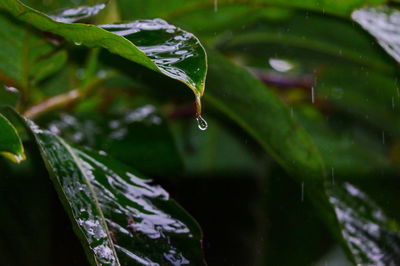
373, 238
154, 44
120, 217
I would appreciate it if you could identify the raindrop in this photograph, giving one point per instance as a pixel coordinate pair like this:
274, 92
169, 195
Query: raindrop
393, 105
312, 95
78, 43
202, 124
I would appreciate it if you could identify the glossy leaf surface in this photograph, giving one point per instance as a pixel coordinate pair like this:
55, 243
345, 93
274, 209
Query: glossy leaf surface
373, 239
120, 217
254, 110
69, 15
156, 44
10, 142
382, 23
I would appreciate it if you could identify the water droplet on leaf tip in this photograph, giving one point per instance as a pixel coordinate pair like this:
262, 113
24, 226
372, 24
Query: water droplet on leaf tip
202, 124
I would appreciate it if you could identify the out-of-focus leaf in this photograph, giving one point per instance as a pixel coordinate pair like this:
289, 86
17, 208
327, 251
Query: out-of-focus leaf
120, 217
373, 239
147, 8
218, 151
139, 138
154, 44
382, 23
261, 113
10, 142
26, 57
351, 153
276, 129
8, 96
367, 87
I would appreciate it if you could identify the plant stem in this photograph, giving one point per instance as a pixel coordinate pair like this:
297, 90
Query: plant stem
53, 103
61, 100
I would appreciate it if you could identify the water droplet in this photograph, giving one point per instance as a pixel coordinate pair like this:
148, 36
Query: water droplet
201, 123
312, 95
78, 43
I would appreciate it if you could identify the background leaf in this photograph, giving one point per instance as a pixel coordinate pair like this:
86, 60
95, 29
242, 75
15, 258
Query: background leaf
10, 143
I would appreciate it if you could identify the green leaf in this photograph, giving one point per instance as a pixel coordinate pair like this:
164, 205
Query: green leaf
8, 96
382, 23
26, 57
261, 113
321, 56
373, 239
119, 216
154, 44
257, 110
143, 128
176, 8
10, 142
69, 6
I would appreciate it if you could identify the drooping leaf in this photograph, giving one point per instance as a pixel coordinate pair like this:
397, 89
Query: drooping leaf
373, 239
10, 142
382, 23
290, 145
26, 57
367, 87
120, 218
154, 44
260, 112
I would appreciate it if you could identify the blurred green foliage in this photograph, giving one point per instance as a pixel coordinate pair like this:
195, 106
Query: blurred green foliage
298, 166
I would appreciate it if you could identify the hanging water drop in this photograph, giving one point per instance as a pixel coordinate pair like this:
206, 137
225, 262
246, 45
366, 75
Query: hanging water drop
202, 124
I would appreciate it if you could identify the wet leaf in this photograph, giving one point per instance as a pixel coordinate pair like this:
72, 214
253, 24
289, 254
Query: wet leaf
154, 44
373, 239
265, 118
69, 15
120, 217
143, 128
10, 142
54, 7
382, 23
